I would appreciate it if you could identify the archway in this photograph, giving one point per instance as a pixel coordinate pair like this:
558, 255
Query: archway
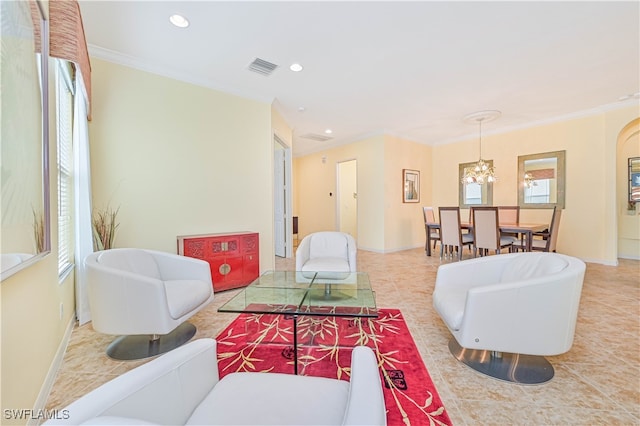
628, 215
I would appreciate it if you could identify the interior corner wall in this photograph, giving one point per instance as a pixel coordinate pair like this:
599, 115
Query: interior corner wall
281, 127
316, 186
403, 222
179, 159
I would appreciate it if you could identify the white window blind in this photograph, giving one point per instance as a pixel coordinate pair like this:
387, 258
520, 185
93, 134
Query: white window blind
64, 97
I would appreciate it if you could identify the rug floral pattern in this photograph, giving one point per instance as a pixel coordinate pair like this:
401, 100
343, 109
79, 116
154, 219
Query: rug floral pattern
263, 343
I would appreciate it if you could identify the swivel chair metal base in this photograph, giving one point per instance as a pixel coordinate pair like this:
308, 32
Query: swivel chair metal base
508, 367
127, 348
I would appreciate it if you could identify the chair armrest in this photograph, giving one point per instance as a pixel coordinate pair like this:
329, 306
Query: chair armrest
177, 267
165, 390
302, 253
366, 401
121, 300
353, 253
483, 270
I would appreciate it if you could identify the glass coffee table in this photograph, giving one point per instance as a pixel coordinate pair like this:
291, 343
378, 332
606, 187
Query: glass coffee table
337, 294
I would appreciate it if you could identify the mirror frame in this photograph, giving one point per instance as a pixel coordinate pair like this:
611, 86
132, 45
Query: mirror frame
44, 92
488, 185
560, 176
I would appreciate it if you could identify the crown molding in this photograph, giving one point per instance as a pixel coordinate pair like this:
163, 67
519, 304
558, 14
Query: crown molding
132, 62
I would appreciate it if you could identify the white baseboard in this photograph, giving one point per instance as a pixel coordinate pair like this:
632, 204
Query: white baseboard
600, 261
389, 251
629, 257
45, 390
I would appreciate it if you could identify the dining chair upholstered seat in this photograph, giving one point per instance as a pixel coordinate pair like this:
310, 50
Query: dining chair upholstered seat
486, 232
430, 219
509, 215
451, 232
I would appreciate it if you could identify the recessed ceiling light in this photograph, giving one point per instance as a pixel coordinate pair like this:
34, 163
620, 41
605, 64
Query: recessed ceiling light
328, 131
179, 21
301, 109
296, 67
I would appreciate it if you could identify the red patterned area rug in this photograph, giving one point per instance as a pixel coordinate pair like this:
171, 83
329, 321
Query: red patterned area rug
263, 343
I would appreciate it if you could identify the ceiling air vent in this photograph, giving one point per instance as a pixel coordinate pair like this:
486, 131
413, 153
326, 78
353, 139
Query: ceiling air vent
314, 137
262, 67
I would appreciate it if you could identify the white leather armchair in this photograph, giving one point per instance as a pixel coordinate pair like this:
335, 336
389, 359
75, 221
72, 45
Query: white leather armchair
182, 387
327, 251
145, 297
507, 312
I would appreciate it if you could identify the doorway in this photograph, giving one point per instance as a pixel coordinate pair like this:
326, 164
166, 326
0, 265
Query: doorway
282, 216
347, 208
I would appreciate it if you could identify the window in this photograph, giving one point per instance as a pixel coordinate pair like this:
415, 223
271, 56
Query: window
538, 192
473, 194
64, 108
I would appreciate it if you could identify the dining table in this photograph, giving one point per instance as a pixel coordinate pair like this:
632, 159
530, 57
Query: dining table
520, 228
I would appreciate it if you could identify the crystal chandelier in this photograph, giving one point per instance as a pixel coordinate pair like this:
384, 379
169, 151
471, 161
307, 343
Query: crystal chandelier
482, 172
529, 181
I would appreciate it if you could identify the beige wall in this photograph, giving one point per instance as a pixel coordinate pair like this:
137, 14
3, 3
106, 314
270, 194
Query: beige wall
590, 143
628, 218
403, 222
587, 142
385, 223
315, 179
281, 128
32, 329
179, 159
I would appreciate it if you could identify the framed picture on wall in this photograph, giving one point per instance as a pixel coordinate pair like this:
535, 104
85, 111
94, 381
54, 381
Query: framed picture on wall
410, 186
634, 179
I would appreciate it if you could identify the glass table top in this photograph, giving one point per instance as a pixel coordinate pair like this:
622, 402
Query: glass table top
344, 294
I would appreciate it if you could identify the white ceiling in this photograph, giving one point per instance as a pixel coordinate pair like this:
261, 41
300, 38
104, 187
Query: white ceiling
411, 69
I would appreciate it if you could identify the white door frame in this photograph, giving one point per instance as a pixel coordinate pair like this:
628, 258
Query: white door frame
339, 195
288, 195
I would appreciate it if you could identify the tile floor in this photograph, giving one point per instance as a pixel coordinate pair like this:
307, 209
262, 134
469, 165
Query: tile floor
596, 382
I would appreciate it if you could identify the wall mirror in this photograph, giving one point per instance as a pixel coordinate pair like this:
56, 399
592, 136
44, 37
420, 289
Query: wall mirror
473, 194
541, 180
634, 180
24, 163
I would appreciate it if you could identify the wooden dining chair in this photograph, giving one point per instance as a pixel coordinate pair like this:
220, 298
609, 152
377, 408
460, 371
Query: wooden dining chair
545, 240
509, 215
430, 219
451, 233
486, 232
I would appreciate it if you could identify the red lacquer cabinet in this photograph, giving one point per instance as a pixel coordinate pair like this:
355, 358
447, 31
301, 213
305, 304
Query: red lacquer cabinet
233, 258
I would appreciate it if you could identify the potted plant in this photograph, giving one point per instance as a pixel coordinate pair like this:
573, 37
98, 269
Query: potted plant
104, 228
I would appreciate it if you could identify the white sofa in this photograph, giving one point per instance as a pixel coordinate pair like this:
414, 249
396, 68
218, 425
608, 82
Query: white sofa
182, 387
520, 303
